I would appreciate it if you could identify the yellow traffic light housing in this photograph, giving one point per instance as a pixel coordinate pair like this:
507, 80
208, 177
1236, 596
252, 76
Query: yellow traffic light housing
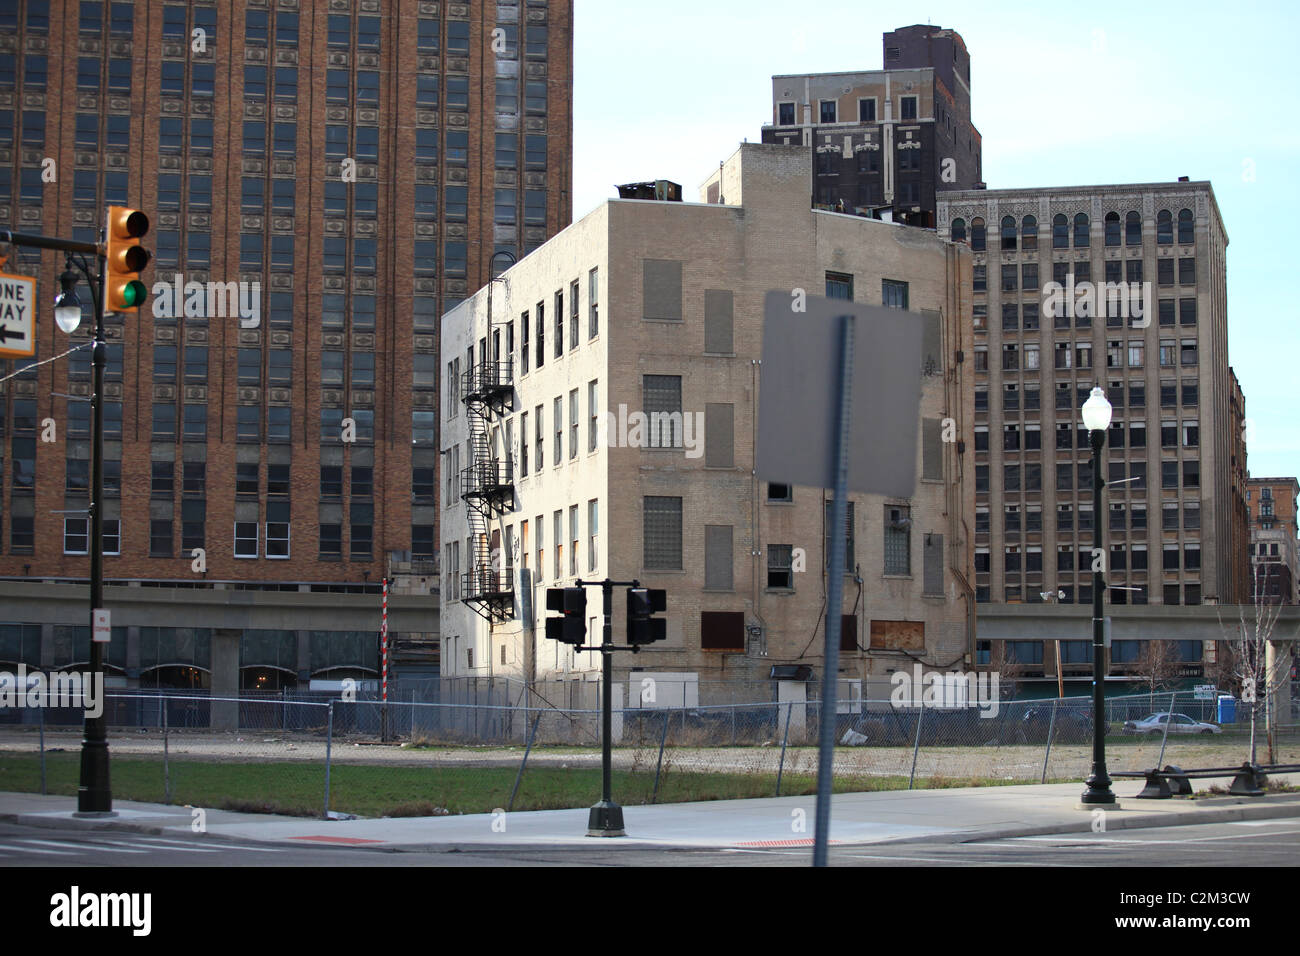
124, 292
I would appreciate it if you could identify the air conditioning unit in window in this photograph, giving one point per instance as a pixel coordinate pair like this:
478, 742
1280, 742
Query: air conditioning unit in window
898, 520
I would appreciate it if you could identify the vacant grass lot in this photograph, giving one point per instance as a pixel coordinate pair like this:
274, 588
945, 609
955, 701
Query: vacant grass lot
372, 791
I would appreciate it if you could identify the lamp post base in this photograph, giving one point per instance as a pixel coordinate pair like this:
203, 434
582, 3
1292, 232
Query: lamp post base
1098, 793
605, 820
94, 795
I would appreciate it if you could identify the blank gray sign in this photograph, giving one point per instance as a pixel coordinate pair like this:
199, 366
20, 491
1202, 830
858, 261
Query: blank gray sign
799, 395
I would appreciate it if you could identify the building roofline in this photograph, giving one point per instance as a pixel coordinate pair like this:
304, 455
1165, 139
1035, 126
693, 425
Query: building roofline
949, 194
803, 76
965, 195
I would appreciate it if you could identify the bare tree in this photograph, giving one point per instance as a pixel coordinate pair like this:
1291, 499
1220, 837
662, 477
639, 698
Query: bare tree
1258, 664
1159, 666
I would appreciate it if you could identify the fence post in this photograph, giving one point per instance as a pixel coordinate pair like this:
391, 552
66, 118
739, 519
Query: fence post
329, 740
1173, 696
663, 738
532, 732
42, 713
167, 770
1051, 731
780, 767
916, 745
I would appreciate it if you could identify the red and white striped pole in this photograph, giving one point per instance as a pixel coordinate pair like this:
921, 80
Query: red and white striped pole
383, 643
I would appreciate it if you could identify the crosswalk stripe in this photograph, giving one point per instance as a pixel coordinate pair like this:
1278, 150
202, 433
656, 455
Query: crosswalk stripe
168, 849
100, 848
163, 843
32, 849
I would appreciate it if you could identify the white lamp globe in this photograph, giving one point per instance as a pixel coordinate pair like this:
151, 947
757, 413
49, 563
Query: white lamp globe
1096, 411
68, 317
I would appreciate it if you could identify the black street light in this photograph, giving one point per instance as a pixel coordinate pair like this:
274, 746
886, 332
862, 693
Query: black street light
120, 259
94, 794
1096, 418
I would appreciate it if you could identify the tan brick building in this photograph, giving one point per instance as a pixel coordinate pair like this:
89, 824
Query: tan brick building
1169, 455
666, 302
1273, 545
358, 164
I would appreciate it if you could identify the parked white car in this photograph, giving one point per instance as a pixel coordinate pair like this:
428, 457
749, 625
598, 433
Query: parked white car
1178, 724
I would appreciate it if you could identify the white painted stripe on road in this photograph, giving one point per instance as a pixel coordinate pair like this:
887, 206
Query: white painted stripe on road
32, 849
211, 847
95, 847
947, 860
168, 849
1252, 823
1066, 841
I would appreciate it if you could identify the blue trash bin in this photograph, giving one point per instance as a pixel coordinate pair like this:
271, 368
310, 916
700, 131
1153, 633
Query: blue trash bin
1227, 709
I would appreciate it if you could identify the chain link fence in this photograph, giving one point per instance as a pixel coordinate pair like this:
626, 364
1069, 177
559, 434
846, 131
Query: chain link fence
314, 754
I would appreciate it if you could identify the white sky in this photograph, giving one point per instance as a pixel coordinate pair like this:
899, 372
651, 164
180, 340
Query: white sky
1103, 92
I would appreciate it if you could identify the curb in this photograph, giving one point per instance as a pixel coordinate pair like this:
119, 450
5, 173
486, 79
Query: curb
1144, 821
1240, 808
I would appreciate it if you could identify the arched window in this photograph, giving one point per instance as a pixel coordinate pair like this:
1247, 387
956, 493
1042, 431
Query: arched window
1112, 229
1008, 232
1133, 228
1060, 231
959, 230
1164, 228
1080, 230
1186, 227
1029, 233
977, 234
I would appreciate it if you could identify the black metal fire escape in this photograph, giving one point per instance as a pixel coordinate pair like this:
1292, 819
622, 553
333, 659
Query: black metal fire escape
488, 488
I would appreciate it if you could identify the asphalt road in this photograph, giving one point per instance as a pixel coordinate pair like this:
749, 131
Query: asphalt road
1243, 843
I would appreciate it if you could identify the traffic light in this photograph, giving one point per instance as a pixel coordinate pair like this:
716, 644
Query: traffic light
642, 628
571, 628
124, 292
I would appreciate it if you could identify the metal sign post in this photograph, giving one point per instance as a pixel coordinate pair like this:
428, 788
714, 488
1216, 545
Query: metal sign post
810, 365
835, 595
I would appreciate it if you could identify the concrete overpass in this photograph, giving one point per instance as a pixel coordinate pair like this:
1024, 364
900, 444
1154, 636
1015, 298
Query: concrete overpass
1129, 622
220, 631
218, 608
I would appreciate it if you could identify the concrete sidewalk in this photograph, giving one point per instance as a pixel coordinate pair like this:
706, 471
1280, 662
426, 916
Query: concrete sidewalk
945, 816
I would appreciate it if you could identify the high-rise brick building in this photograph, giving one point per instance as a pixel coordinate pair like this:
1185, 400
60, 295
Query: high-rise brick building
886, 141
1125, 287
354, 167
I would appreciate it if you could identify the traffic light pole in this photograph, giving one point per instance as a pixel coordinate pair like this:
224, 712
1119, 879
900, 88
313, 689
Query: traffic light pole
94, 794
606, 817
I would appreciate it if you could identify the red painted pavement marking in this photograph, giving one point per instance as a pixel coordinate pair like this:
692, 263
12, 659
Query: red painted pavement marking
335, 839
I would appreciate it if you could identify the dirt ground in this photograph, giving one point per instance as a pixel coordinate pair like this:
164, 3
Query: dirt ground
1012, 762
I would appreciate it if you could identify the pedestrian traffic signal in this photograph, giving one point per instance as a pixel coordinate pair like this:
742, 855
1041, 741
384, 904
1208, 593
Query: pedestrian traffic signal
571, 627
642, 603
124, 292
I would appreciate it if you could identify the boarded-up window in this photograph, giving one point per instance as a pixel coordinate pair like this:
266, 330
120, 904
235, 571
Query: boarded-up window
718, 556
898, 635
932, 448
663, 533
722, 630
719, 447
933, 553
848, 632
931, 343
718, 324
662, 289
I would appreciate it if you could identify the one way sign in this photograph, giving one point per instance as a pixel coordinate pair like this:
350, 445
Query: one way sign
17, 316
